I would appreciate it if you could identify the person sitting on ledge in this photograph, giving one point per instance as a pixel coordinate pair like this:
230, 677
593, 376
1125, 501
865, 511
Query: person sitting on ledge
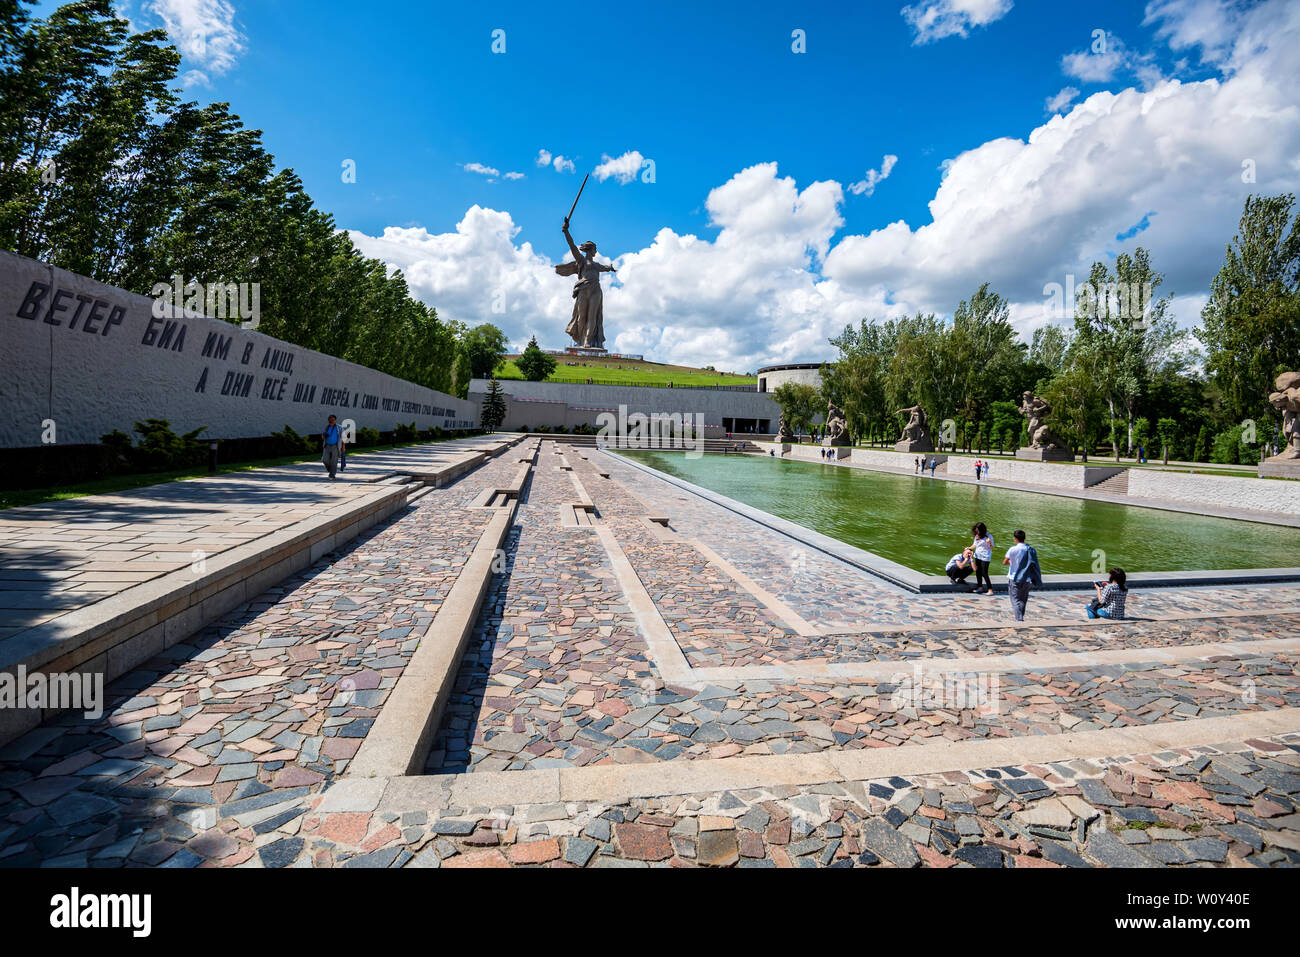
1111, 596
959, 567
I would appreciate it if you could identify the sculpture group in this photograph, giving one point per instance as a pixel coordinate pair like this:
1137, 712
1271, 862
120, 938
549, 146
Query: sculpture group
1043, 445
1286, 399
916, 433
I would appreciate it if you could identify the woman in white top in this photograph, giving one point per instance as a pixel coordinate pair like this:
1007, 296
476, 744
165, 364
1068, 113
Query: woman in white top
983, 545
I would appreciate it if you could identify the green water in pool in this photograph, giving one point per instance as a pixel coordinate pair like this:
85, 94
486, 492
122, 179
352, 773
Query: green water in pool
921, 522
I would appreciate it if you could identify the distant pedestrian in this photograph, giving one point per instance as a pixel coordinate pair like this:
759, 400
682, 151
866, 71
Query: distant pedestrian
934, 464
1022, 572
1111, 596
332, 442
982, 543
977, 470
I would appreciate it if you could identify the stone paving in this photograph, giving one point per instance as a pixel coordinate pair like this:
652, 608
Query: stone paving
60, 556
250, 714
1205, 806
220, 751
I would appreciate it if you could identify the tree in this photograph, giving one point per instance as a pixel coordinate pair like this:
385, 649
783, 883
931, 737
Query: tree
485, 346
535, 364
1167, 429
1127, 335
1250, 326
856, 380
493, 412
799, 403
1049, 347
1076, 401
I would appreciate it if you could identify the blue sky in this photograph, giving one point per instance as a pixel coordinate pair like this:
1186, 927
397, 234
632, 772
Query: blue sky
759, 262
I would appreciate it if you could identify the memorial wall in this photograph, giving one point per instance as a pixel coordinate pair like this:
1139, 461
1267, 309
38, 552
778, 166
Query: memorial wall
79, 358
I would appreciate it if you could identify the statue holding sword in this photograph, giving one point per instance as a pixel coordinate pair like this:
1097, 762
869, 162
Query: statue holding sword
587, 327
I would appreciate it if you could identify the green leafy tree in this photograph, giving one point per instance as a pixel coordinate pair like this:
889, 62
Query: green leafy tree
1167, 429
1076, 400
856, 380
485, 346
1250, 327
1126, 333
493, 412
535, 364
799, 403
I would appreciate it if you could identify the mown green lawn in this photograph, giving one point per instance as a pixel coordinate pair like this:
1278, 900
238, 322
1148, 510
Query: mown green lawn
629, 372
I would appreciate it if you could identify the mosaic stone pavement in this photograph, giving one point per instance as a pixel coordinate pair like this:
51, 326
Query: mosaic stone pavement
219, 751
557, 675
1199, 807
254, 712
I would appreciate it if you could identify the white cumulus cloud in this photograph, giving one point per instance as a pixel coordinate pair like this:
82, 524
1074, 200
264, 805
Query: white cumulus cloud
1057, 103
561, 164
205, 32
874, 176
621, 168
935, 19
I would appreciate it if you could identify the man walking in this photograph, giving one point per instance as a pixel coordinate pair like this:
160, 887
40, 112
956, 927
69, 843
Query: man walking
1023, 570
333, 445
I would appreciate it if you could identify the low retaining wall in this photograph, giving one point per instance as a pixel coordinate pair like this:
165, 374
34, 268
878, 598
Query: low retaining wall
884, 458
1222, 491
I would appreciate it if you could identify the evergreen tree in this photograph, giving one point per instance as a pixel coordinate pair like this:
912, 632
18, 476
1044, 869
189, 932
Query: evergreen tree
493, 412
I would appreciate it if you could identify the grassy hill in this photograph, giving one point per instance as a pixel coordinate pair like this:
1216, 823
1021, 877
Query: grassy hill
627, 371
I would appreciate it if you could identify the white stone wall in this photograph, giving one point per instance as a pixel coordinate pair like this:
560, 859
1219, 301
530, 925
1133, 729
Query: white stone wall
771, 381
884, 458
1026, 473
91, 358
1266, 495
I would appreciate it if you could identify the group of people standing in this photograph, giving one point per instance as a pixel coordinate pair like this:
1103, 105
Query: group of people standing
921, 463
1025, 572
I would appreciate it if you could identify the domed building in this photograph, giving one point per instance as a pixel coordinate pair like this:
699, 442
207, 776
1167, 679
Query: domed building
802, 373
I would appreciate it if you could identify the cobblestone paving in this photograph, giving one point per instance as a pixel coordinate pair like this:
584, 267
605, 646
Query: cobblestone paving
1189, 807
245, 719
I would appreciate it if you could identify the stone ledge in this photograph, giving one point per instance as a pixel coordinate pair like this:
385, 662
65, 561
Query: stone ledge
122, 631
399, 740
623, 782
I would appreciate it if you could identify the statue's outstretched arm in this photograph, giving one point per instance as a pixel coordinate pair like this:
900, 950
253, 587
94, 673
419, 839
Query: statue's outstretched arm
572, 247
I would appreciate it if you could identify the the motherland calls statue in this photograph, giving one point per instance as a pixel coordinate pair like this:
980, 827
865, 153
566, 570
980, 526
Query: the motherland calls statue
587, 327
